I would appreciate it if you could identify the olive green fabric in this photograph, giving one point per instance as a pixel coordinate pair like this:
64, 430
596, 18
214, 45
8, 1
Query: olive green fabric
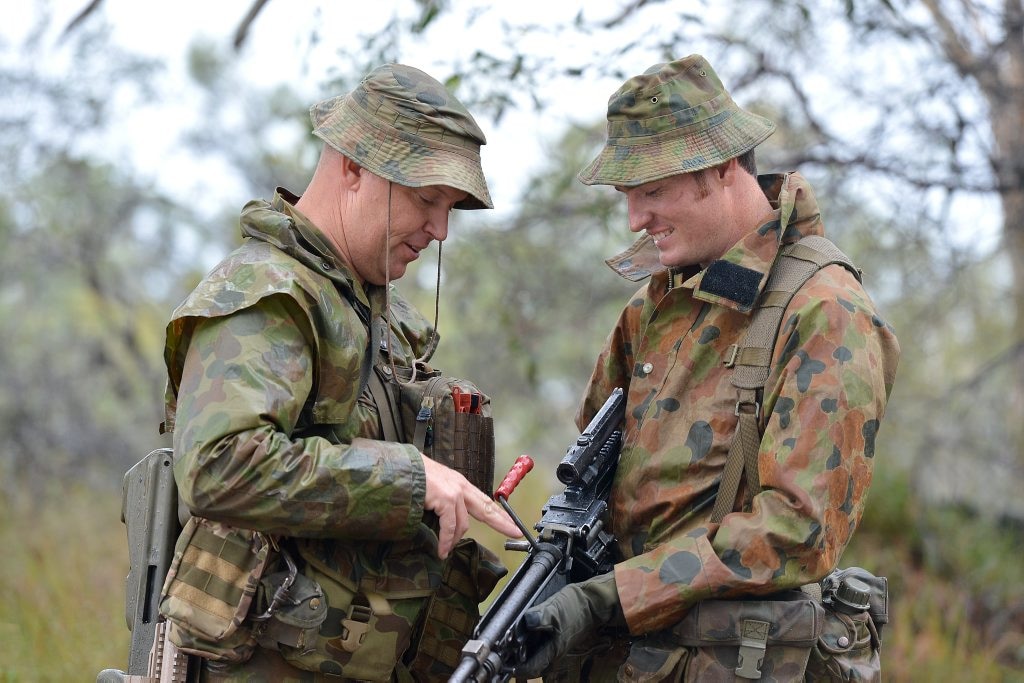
210, 588
406, 127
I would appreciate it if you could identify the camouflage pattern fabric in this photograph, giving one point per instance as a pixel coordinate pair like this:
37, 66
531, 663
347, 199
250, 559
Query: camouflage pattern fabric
832, 372
272, 434
676, 117
403, 125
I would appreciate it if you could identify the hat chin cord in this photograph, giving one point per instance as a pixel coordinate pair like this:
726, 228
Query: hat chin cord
432, 342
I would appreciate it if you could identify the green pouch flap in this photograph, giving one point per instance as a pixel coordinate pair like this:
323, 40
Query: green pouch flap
305, 605
797, 622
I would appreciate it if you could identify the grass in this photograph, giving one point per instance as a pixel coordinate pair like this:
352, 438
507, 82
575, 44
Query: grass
62, 585
955, 616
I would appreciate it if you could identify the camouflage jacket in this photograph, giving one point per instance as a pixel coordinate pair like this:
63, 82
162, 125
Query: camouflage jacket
832, 370
272, 432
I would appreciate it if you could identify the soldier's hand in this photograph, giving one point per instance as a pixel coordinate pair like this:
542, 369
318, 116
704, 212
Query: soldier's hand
454, 500
567, 621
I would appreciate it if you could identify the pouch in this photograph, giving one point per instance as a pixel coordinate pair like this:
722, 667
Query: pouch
364, 632
210, 587
470, 574
290, 607
764, 640
849, 648
448, 419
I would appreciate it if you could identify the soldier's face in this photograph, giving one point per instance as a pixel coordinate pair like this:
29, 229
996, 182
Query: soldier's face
684, 215
419, 215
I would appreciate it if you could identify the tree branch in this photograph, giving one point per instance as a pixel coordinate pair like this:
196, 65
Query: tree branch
80, 17
242, 32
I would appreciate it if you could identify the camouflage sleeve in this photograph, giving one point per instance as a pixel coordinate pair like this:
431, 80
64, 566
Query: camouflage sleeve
614, 364
835, 363
246, 377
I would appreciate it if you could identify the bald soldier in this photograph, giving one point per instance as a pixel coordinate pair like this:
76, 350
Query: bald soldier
278, 448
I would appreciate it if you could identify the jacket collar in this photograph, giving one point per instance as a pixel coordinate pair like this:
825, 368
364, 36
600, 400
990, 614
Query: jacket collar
282, 225
736, 279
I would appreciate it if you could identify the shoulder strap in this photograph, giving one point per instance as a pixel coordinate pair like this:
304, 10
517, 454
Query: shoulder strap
752, 358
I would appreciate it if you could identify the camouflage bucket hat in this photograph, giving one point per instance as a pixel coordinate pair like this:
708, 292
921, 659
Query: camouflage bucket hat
404, 126
674, 118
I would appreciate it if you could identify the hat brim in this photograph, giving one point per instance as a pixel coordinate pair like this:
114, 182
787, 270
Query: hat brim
635, 161
406, 159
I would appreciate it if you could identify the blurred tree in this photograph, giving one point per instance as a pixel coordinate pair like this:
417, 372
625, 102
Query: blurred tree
913, 106
94, 258
526, 302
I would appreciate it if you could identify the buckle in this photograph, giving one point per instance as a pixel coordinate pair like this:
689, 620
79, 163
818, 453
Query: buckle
755, 404
753, 643
731, 353
354, 628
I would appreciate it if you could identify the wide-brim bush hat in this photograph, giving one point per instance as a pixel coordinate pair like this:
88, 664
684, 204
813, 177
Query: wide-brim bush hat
676, 117
404, 126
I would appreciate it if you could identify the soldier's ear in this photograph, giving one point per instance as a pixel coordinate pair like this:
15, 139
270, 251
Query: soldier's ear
350, 173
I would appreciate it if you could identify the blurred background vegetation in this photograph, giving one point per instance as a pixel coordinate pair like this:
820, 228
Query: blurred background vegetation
906, 115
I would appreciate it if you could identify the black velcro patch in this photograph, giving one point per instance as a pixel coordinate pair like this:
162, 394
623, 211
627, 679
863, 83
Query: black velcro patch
733, 282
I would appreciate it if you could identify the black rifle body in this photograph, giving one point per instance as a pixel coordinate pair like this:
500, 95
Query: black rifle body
572, 545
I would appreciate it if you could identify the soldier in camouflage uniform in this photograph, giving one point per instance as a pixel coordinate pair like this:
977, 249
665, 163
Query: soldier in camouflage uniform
681, 151
267, 356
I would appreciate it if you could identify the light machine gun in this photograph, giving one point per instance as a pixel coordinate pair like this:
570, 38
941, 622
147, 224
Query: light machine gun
571, 544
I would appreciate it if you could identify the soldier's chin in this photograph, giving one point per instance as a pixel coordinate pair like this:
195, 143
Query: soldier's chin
398, 269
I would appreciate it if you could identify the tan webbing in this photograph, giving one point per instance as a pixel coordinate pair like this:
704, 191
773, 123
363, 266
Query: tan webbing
751, 359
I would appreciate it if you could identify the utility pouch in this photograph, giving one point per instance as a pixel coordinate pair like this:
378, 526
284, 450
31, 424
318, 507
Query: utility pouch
758, 640
210, 587
469, 575
364, 632
856, 608
448, 419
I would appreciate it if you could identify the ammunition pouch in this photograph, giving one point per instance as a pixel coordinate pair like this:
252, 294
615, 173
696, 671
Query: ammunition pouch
210, 587
792, 635
470, 574
448, 419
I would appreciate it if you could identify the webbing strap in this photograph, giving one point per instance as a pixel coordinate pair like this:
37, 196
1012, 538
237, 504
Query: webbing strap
751, 359
387, 411
742, 455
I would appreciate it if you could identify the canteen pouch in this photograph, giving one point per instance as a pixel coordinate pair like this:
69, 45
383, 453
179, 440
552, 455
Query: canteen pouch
469, 575
732, 640
448, 419
210, 587
849, 648
289, 609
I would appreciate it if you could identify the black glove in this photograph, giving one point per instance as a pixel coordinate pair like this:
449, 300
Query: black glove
567, 620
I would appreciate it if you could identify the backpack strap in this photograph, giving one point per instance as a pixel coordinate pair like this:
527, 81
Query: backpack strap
752, 358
